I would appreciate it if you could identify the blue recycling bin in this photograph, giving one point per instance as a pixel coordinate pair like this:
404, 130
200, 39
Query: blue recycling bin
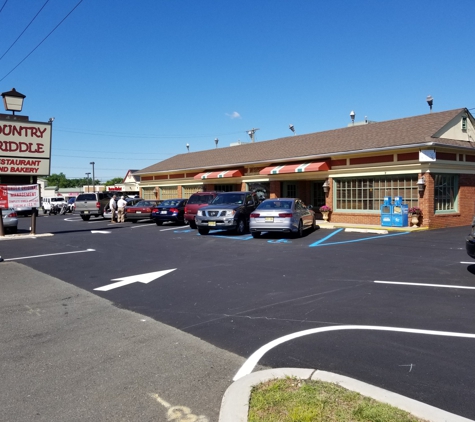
400, 214
386, 212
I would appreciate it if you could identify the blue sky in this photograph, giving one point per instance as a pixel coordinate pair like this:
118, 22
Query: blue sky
131, 83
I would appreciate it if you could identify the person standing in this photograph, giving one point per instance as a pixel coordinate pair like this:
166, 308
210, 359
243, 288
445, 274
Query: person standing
121, 203
113, 207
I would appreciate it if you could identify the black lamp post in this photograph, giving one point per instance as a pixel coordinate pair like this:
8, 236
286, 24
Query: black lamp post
93, 177
13, 100
430, 101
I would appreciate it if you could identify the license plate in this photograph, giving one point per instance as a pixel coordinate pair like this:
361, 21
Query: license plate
269, 219
138, 212
86, 212
163, 212
212, 223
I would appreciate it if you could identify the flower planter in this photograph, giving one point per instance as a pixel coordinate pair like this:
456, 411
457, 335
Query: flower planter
325, 215
415, 220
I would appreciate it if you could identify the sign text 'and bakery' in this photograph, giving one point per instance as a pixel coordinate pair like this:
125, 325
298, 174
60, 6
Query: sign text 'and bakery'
25, 148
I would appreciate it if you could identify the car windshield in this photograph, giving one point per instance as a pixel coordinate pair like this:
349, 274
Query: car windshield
200, 199
145, 204
170, 203
229, 198
275, 205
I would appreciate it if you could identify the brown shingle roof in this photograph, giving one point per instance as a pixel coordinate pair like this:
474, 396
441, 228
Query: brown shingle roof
392, 133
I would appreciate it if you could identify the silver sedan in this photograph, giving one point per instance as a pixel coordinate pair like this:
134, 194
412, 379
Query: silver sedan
10, 220
288, 215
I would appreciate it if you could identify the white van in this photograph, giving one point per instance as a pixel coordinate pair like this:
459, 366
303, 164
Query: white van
47, 202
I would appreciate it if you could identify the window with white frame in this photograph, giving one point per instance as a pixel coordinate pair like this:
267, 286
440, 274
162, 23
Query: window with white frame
445, 192
367, 194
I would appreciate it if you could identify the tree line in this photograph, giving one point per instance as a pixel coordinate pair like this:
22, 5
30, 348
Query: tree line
61, 181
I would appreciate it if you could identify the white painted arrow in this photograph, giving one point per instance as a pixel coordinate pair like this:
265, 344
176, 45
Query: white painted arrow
140, 278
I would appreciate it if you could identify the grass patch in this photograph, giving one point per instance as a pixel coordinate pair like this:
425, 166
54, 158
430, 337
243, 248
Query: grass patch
295, 400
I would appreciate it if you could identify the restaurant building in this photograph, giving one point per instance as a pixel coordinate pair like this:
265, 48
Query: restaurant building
428, 160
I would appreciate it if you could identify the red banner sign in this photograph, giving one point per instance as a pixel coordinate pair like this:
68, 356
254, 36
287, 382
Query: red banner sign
13, 196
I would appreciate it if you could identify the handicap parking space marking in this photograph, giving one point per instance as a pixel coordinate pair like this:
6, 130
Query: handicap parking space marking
254, 359
320, 242
279, 241
446, 286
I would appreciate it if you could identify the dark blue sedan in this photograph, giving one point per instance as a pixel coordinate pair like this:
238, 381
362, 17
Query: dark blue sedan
170, 210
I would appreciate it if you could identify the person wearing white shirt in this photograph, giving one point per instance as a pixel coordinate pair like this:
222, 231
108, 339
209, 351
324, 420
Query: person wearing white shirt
121, 203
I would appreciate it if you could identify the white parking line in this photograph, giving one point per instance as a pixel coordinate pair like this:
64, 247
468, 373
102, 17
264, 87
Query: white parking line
254, 359
142, 225
173, 228
448, 286
469, 263
49, 254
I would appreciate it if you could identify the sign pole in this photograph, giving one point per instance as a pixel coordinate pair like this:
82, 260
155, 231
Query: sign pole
33, 220
2, 229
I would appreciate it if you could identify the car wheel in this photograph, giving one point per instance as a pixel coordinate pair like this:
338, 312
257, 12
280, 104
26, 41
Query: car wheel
159, 223
192, 224
314, 224
13, 230
255, 235
44, 211
299, 232
85, 217
241, 227
185, 222
203, 231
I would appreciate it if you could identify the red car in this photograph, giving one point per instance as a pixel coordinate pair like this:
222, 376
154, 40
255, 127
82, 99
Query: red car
195, 202
141, 210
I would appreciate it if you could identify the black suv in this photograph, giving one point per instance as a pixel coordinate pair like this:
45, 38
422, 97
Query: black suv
228, 211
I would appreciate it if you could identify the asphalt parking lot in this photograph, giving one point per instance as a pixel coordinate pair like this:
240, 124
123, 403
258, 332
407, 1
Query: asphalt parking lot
393, 310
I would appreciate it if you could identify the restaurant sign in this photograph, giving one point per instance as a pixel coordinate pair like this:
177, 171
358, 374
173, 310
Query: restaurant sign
18, 196
25, 148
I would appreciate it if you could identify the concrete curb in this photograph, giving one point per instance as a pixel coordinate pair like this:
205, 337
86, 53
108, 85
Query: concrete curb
235, 403
24, 236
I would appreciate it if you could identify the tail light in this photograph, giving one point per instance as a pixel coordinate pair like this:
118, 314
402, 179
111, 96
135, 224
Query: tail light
255, 215
186, 210
285, 215
174, 210
12, 214
98, 205
154, 209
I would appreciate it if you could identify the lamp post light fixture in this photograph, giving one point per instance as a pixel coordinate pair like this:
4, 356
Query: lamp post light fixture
326, 186
13, 100
430, 101
188, 147
292, 128
251, 133
421, 184
93, 177
352, 116
216, 140
87, 179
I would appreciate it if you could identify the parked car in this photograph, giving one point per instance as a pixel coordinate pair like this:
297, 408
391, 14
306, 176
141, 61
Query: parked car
170, 210
141, 210
470, 241
47, 203
92, 204
288, 215
10, 220
228, 211
195, 202
71, 202
26, 211
130, 202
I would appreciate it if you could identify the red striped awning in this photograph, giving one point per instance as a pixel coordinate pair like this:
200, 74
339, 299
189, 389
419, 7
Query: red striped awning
296, 168
218, 174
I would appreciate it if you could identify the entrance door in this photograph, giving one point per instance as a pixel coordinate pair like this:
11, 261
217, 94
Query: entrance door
318, 198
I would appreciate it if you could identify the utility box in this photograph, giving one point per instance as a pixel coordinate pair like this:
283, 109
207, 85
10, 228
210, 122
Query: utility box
386, 212
400, 214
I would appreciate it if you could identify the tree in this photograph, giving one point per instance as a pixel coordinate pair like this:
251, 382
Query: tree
114, 181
